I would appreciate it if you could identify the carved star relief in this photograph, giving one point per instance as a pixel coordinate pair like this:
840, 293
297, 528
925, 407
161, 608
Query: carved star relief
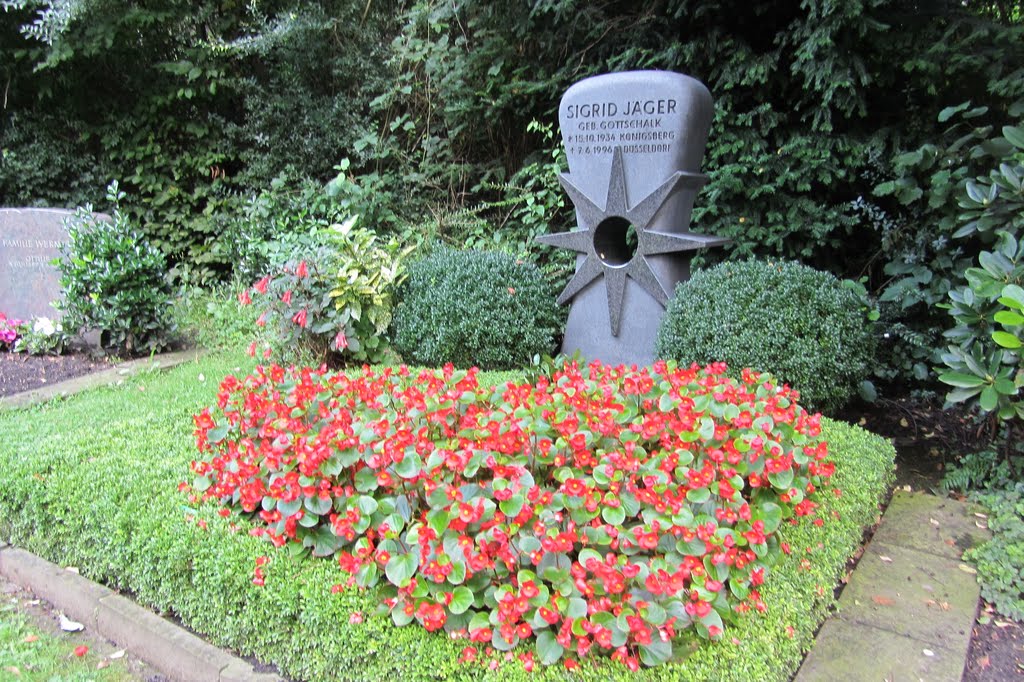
650, 242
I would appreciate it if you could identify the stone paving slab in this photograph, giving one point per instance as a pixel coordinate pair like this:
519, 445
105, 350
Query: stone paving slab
852, 652
913, 594
107, 377
174, 651
931, 524
910, 605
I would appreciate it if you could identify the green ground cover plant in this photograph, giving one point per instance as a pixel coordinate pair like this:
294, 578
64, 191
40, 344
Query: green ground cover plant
92, 481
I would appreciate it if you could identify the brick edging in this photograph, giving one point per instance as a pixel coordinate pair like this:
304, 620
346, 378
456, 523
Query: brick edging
174, 651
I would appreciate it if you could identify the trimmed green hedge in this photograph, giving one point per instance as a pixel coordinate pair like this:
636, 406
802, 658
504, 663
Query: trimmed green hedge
92, 482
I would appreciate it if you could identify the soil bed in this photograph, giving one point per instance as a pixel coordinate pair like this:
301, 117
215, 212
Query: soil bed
21, 372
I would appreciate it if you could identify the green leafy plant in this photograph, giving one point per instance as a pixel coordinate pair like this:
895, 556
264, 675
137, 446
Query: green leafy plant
334, 297
475, 308
600, 510
802, 325
117, 516
114, 281
41, 336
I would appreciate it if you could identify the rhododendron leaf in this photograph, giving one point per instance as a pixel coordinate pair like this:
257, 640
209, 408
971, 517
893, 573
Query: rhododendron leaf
614, 516
462, 599
548, 649
400, 568
655, 653
217, 434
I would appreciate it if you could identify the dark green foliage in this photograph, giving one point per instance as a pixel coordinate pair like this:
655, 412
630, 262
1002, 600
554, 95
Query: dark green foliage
800, 324
475, 308
106, 500
115, 282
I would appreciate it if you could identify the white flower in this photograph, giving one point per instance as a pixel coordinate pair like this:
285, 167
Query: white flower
44, 325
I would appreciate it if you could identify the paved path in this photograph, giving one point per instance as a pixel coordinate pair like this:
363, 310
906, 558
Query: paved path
910, 605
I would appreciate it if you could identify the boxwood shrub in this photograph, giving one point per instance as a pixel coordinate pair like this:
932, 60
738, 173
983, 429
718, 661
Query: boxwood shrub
92, 482
800, 324
479, 308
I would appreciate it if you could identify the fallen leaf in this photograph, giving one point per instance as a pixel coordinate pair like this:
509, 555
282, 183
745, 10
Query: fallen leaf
102, 664
984, 662
73, 569
979, 524
68, 625
202, 378
927, 652
882, 600
980, 515
81, 650
934, 522
950, 541
904, 423
1003, 624
13, 670
967, 569
944, 605
117, 654
885, 559
984, 619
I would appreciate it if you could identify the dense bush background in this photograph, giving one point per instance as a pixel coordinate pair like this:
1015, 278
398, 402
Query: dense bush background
197, 107
796, 322
475, 308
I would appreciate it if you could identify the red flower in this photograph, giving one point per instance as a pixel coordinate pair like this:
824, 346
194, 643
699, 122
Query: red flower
299, 318
287, 298
301, 271
243, 297
261, 285
341, 341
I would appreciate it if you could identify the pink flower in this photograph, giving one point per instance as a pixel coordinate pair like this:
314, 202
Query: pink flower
355, 618
299, 318
261, 286
261, 321
341, 341
287, 298
243, 297
301, 271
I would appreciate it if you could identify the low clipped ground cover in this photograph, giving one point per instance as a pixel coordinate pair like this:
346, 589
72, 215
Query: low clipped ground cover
93, 481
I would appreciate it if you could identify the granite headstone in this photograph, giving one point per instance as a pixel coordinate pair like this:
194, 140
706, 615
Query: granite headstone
30, 239
634, 143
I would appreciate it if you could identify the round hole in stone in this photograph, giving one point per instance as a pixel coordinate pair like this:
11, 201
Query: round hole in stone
615, 241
